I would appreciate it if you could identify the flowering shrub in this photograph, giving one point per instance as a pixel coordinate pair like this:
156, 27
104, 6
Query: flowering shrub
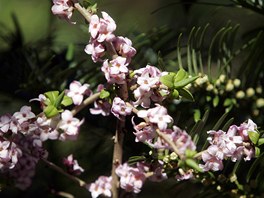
139, 99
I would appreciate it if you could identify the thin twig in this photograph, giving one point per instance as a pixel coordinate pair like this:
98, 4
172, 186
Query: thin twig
60, 170
85, 103
86, 14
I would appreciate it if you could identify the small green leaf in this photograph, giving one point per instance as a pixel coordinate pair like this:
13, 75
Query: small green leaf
260, 141
253, 136
184, 82
208, 98
228, 102
50, 111
193, 164
52, 96
186, 94
104, 94
254, 166
59, 99
175, 94
180, 75
216, 101
257, 151
168, 80
67, 101
197, 115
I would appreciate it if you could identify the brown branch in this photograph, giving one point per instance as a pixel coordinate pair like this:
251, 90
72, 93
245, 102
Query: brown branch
122, 92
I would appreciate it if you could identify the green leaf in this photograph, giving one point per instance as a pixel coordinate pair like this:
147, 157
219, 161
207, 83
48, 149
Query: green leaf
104, 94
253, 136
216, 101
180, 75
193, 164
175, 94
50, 111
260, 141
67, 101
220, 121
227, 124
52, 96
208, 98
59, 99
257, 151
186, 94
184, 82
254, 166
228, 102
197, 115
168, 80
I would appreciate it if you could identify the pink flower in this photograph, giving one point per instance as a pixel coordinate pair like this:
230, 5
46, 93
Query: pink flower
5, 123
72, 165
69, 125
45, 128
118, 65
102, 186
102, 29
119, 108
63, 8
212, 162
9, 154
77, 91
147, 79
157, 115
182, 140
96, 49
144, 132
101, 107
245, 127
143, 97
124, 48
116, 70
107, 27
94, 26
131, 179
24, 114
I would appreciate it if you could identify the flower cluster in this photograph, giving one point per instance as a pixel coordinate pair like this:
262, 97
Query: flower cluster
21, 140
148, 86
102, 186
233, 144
131, 178
102, 36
